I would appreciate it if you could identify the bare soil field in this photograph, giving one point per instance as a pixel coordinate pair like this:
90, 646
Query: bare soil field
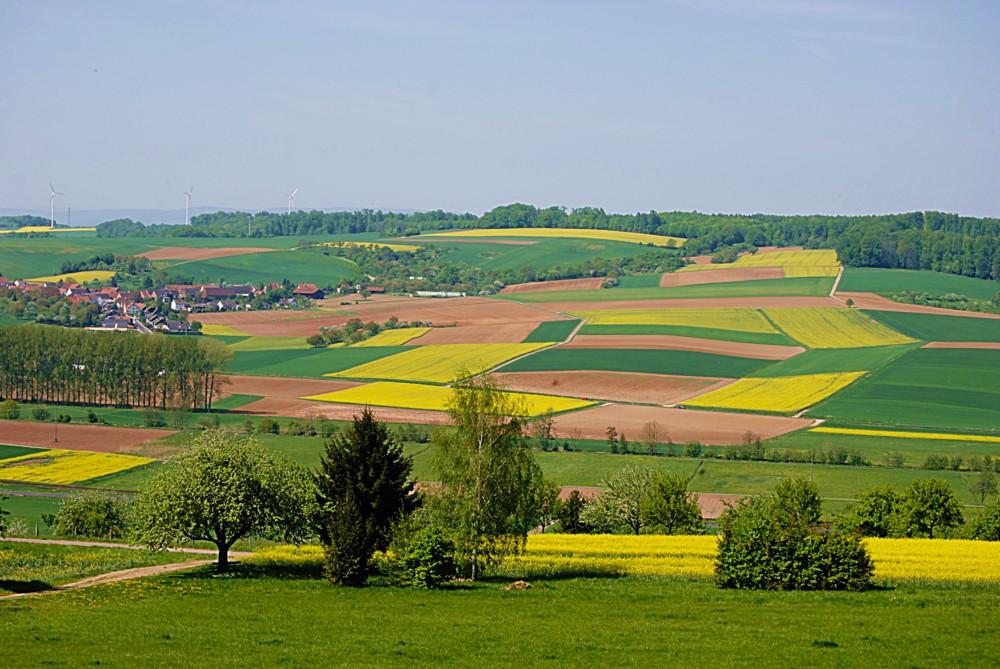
674, 279
962, 344
707, 303
97, 438
615, 386
476, 334
678, 343
296, 408
270, 386
681, 425
548, 286
459, 311
182, 253
876, 302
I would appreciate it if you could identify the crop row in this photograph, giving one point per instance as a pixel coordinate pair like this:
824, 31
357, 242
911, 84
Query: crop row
781, 394
64, 467
435, 398
439, 364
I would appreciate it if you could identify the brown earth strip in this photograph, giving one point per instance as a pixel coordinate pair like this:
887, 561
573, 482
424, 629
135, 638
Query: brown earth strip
464, 240
293, 408
681, 425
963, 344
548, 286
270, 386
615, 386
874, 302
476, 334
460, 311
97, 438
184, 253
678, 343
675, 279
704, 303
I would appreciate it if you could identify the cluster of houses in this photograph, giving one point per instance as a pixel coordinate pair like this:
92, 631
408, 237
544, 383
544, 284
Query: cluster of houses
143, 310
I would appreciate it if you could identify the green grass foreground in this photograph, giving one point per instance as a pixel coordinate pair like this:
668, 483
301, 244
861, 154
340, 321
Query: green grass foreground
196, 620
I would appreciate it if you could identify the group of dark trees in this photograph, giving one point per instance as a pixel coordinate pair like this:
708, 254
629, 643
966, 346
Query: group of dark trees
69, 366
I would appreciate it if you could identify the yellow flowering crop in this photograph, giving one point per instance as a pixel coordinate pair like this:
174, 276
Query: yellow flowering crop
396, 337
900, 434
782, 394
795, 263
64, 467
439, 364
45, 228
565, 233
834, 328
735, 319
374, 245
222, 330
276, 556
434, 398
77, 277
935, 559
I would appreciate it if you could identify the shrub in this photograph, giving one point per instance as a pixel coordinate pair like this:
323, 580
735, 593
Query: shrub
428, 560
777, 543
153, 418
10, 410
986, 526
693, 449
40, 413
209, 422
64, 418
92, 514
267, 426
93, 417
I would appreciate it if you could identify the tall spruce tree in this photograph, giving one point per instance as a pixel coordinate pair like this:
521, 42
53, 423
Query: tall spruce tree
364, 487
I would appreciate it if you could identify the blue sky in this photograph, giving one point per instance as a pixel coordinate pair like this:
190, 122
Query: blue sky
777, 106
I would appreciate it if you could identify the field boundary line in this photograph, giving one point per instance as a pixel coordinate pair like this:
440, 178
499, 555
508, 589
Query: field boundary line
836, 283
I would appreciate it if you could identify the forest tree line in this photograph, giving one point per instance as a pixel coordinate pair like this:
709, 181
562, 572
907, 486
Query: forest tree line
71, 366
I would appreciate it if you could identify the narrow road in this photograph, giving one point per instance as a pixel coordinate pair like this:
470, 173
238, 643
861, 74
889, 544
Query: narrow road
111, 577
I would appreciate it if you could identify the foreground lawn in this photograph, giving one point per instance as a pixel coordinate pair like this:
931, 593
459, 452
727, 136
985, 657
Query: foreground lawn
198, 620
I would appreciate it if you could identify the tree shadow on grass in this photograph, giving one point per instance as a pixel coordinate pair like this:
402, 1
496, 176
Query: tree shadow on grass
248, 570
21, 587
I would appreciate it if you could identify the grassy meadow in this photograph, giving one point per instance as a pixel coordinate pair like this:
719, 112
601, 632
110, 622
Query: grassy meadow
896, 281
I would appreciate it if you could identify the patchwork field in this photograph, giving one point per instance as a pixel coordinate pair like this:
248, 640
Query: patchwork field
66, 467
675, 279
298, 266
515, 333
307, 362
613, 386
435, 398
779, 394
739, 320
396, 337
795, 263
677, 343
458, 311
439, 364
550, 286
834, 328
679, 363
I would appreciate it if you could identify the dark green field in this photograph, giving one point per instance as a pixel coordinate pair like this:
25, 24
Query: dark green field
195, 620
310, 363
939, 388
934, 327
822, 361
896, 281
541, 253
685, 363
807, 287
297, 266
15, 451
551, 331
776, 338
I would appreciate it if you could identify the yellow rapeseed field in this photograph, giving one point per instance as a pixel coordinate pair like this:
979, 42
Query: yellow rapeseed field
783, 394
76, 277
834, 328
222, 330
435, 398
796, 264
735, 319
45, 228
565, 233
396, 337
935, 560
64, 467
900, 434
374, 245
439, 364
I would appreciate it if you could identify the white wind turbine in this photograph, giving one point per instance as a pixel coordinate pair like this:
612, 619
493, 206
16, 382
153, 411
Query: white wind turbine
187, 205
52, 205
291, 199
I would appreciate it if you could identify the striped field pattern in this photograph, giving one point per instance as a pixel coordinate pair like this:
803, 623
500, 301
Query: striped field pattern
834, 328
396, 337
901, 434
783, 394
797, 264
439, 364
735, 319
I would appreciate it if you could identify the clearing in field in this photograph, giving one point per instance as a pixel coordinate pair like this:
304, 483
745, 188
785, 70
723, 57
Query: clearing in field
781, 394
85, 276
563, 233
834, 328
737, 320
65, 467
902, 434
439, 364
396, 337
613, 386
435, 398
796, 264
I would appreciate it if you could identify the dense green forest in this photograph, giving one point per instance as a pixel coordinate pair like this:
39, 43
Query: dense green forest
71, 366
920, 240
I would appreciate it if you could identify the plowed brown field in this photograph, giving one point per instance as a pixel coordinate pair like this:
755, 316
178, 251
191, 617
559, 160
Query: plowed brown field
962, 344
459, 311
677, 343
270, 386
615, 386
476, 334
674, 279
183, 253
681, 425
295, 408
874, 302
707, 303
548, 286
97, 438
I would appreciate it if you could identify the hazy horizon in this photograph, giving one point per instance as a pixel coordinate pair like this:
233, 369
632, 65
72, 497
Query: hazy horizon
728, 106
